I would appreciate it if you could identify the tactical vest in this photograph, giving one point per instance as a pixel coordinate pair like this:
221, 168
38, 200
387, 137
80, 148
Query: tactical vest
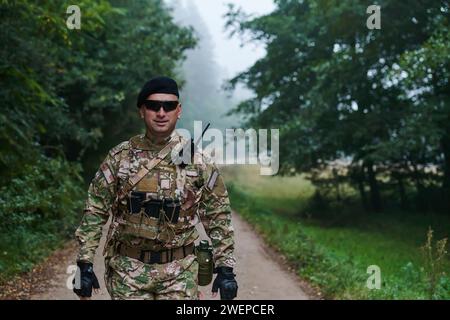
161, 209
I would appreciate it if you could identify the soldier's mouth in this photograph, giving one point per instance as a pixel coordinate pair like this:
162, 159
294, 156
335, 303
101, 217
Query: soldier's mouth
161, 123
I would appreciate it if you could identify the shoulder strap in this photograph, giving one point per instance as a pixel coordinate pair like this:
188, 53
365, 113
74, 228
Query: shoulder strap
134, 180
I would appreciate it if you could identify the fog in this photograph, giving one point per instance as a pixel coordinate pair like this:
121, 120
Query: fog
216, 58
227, 51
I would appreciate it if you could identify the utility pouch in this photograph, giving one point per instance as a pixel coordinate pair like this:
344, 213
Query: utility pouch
135, 201
153, 208
171, 209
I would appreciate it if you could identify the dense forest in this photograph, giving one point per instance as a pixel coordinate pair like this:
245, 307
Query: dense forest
362, 111
67, 97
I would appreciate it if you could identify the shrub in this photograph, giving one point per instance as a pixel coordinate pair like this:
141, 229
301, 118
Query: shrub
38, 209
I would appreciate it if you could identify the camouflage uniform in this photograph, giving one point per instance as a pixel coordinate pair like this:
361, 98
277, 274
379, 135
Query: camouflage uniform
204, 196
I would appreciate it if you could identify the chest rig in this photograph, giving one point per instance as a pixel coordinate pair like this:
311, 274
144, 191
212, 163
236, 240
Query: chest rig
157, 201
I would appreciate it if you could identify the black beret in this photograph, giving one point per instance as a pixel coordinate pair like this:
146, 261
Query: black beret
157, 85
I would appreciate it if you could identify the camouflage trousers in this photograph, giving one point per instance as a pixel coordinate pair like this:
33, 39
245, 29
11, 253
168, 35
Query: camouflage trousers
127, 278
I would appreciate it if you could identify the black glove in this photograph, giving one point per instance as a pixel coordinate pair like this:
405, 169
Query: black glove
88, 279
225, 282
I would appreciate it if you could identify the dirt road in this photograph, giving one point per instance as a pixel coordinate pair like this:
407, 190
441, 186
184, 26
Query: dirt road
259, 270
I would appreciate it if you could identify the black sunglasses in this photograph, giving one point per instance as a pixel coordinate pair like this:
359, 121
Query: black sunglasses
155, 105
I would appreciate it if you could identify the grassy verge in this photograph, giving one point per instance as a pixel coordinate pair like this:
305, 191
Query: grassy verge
333, 250
39, 211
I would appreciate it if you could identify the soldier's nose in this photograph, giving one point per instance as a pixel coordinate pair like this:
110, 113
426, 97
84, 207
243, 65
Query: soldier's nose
161, 112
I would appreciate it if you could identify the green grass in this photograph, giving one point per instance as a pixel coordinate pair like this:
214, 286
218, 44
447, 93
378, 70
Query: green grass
333, 249
21, 250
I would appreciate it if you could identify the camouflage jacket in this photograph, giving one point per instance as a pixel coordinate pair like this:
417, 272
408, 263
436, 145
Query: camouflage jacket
205, 198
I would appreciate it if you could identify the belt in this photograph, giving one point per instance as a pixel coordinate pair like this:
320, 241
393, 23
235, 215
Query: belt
150, 256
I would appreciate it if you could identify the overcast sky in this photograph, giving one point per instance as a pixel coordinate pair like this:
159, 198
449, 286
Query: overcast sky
228, 53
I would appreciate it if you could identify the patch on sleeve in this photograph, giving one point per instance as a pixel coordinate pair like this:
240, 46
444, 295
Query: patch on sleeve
191, 173
212, 180
107, 173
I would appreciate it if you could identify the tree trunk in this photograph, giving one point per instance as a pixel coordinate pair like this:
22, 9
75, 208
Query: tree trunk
362, 191
401, 191
375, 197
336, 185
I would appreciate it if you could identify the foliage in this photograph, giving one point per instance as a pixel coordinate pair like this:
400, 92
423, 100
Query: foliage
375, 100
68, 96
434, 256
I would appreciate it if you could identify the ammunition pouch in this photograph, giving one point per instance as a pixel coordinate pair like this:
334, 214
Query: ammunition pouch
164, 210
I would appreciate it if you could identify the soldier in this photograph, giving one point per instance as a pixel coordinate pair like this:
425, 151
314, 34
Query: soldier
155, 205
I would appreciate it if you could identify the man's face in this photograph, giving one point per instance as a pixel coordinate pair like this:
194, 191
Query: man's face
161, 123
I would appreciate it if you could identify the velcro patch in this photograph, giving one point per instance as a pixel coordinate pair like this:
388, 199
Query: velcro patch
191, 173
107, 173
148, 184
212, 180
165, 184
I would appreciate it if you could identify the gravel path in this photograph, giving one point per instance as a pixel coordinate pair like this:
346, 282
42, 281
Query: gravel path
260, 271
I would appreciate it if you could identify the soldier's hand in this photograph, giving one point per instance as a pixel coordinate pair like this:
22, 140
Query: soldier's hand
226, 282
85, 280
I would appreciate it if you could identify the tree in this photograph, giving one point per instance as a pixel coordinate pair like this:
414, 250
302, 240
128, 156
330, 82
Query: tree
331, 86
